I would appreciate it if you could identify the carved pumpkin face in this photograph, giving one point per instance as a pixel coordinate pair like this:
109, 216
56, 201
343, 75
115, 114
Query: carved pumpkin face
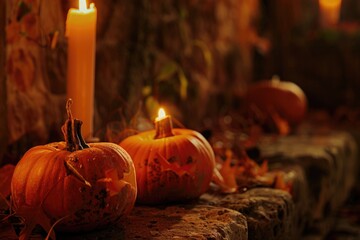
89, 186
171, 167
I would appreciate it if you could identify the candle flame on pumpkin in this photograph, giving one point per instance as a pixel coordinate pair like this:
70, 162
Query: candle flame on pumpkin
82, 5
161, 114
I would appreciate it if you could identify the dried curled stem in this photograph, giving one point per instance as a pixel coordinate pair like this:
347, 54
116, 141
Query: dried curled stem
72, 131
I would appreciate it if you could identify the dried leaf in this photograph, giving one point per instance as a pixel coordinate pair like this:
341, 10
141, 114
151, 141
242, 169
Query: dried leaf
228, 172
279, 182
219, 181
238, 171
282, 125
263, 168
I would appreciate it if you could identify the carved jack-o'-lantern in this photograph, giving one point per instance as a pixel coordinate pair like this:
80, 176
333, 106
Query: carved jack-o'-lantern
171, 164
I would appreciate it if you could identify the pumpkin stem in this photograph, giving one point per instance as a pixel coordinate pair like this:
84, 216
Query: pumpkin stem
72, 131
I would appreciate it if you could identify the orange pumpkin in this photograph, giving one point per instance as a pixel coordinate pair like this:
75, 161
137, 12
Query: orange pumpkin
88, 185
280, 97
171, 164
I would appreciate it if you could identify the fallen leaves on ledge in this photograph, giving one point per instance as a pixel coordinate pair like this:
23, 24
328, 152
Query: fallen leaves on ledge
240, 173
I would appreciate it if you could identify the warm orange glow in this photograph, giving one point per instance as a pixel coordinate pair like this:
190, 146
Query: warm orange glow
163, 125
82, 5
330, 3
161, 114
329, 12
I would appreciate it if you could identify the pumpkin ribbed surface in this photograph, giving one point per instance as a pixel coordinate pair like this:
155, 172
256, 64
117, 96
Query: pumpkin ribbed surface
42, 178
173, 168
286, 98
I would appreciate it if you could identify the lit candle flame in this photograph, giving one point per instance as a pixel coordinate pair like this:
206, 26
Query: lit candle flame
163, 125
82, 5
161, 114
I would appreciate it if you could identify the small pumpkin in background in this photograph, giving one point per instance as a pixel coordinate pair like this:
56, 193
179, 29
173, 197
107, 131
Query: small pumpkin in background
284, 101
172, 164
84, 186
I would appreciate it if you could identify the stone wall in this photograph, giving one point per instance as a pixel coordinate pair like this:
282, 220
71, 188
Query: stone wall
191, 56
3, 122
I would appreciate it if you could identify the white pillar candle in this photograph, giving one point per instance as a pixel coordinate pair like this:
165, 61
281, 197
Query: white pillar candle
81, 35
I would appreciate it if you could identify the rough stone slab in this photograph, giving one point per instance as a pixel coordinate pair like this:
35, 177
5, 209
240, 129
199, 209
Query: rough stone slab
321, 167
270, 213
329, 162
174, 222
300, 195
356, 135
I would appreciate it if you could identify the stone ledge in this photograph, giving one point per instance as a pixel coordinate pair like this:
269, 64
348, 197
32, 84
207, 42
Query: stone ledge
328, 162
269, 212
174, 222
322, 169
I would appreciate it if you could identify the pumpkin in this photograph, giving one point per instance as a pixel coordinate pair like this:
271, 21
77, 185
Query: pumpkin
172, 164
280, 97
87, 186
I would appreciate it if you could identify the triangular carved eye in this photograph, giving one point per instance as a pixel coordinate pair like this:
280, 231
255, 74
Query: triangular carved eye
175, 159
190, 160
172, 159
114, 184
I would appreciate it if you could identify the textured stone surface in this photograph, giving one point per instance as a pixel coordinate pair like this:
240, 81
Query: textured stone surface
321, 169
329, 162
300, 195
270, 213
175, 222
